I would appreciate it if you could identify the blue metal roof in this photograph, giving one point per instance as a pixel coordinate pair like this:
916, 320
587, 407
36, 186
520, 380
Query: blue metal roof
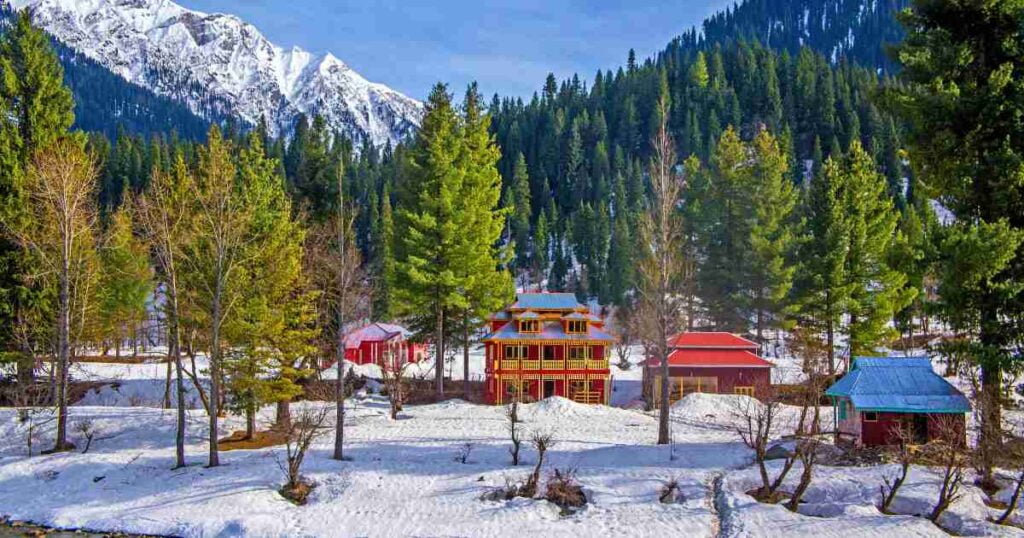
898, 384
546, 301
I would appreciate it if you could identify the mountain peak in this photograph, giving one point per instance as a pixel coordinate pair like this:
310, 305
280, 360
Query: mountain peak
198, 58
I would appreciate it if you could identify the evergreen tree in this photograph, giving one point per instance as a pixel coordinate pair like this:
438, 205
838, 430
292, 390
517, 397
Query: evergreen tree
383, 305
961, 65
773, 234
35, 111
429, 261
521, 213
126, 278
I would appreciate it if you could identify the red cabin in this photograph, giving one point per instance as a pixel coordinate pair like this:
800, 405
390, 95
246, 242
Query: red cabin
371, 343
714, 362
547, 344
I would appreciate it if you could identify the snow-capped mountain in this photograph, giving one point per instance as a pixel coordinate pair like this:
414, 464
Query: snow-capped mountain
217, 61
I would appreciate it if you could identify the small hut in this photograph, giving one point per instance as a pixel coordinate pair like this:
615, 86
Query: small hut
879, 395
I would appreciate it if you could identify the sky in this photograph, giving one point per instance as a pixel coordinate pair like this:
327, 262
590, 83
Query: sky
507, 46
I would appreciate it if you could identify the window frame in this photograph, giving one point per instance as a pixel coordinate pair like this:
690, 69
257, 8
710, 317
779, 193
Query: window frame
522, 350
529, 326
576, 326
743, 390
866, 415
587, 355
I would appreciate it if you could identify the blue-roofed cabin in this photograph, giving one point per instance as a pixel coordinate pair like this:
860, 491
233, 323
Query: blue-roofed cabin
880, 395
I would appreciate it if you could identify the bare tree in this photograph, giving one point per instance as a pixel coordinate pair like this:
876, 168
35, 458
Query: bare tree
300, 434
661, 262
164, 212
393, 371
949, 450
807, 437
624, 343
901, 452
62, 180
512, 414
755, 423
1014, 450
87, 430
335, 266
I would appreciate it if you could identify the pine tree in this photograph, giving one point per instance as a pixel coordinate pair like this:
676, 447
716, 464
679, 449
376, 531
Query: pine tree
383, 306
429, 259
36, 109
126, 278
821, 289
877, 291
773, 234
521, 213
486, 285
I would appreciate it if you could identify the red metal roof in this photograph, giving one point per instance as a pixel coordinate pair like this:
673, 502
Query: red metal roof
710, 358
721, 340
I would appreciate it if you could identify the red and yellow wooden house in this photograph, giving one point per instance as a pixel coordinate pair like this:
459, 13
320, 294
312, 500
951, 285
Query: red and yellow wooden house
547, 344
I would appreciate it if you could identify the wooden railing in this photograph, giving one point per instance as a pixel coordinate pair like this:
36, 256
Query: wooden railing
552, 364
587, 397
531, 365
597, 364
510, 364
577, 364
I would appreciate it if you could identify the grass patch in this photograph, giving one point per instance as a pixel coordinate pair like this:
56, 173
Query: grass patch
264, 439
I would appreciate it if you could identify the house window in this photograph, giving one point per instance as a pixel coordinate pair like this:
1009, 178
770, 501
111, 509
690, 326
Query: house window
515, 352
842, 410
870, 416
699, 384
745, 391
577, 327
550, 353
579, 352
529, 326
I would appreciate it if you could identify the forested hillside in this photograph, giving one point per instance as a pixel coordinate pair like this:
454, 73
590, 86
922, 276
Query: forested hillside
857, 30
105, 102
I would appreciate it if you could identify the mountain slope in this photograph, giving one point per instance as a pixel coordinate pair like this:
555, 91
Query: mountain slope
857, 30
219, 63
105, 102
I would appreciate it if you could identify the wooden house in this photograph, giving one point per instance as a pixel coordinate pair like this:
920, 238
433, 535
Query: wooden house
376, 342
712, 362
879, 395
547, 344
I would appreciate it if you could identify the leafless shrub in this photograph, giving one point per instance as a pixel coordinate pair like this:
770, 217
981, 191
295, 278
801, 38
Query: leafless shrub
755, 421
87, 430
465, 450
541, 443
565, 491
33, 412
949, 451
512, 414
1014, 448
900, 451
670, 492
807, 431
300, 434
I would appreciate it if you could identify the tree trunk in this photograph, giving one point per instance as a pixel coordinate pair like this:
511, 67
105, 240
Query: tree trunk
214, 403
167, 387
174, 347
283, 420
63, 350
250, 421
664, 436
439, 353
465, 356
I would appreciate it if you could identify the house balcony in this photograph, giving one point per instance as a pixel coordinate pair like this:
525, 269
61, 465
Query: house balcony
597, 364
552, 364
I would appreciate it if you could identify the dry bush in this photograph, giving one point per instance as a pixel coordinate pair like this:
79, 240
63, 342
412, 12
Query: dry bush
755, 422
395, 386
902, 454
950, 452
541, 443
34, 413
87, 430
465, 450
670, 492
304, 429
565, 491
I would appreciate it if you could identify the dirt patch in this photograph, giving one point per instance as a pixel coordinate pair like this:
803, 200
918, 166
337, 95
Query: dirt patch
298, 494
237, 440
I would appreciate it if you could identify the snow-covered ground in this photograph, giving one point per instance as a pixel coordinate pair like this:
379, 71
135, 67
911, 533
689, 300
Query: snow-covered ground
403, 478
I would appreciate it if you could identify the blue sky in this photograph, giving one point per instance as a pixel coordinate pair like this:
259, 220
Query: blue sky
508, 46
